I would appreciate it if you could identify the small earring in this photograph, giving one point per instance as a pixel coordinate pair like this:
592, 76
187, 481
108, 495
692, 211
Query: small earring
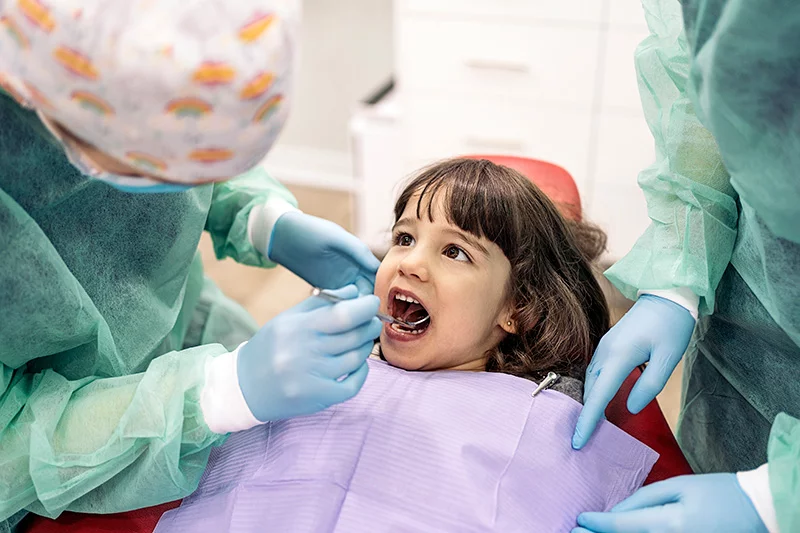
508, 323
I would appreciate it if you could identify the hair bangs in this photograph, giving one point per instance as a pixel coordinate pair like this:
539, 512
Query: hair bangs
470, 196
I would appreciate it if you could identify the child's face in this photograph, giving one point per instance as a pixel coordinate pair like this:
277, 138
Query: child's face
459, 280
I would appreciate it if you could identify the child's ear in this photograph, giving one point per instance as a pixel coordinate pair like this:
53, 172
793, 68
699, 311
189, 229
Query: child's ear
508, 324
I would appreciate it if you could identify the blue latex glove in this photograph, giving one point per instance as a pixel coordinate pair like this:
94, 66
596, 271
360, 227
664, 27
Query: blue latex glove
655, 330
710, 503
322, 253
293, 365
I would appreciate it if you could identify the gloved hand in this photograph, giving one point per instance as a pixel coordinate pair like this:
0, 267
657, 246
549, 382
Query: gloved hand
656, 330
710, 503
293, 365
322, 253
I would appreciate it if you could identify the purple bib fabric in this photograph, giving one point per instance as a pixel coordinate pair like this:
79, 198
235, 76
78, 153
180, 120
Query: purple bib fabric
417, 451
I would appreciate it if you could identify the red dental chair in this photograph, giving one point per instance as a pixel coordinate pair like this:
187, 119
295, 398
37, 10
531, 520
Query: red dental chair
649, 426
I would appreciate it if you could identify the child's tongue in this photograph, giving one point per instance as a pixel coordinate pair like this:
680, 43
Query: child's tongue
413, 312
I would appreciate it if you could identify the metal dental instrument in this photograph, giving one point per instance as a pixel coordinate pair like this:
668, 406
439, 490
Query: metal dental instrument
381, 316
551, 378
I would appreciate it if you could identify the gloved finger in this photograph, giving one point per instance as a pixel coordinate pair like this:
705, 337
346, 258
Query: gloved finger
580, 530
650, 520
649, 385
600, 358
365, 284
336, 366
660, 493
348, 292
605, 388
345, 316
351, 340
353, 247
349, 386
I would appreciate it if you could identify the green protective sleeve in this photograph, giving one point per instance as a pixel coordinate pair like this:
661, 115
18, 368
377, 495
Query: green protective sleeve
103, 445
784, 471
745, 76
690, 200
228, 217
106, 324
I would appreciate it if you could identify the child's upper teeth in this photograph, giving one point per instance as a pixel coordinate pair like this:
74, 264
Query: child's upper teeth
405, 298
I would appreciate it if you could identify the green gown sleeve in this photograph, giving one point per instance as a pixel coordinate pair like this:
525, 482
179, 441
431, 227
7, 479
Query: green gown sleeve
690, 200
745, 79
784, 471
91, 444
231, 204
103, 445
741, 60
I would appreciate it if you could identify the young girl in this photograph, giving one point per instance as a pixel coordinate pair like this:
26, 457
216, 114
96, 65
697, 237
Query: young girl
505, 281
449, 435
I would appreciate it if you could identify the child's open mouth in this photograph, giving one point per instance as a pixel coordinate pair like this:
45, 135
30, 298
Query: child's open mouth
404, 306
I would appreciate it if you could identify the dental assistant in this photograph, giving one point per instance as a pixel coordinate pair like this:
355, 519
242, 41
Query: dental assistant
717, 271
122, 365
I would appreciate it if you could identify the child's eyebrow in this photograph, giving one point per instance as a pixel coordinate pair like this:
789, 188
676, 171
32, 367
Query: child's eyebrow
469, 240
405, 221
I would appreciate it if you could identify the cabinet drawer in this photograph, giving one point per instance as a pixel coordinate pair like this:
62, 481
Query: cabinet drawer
436, 128
538, 63
625, 147
620, 85
626, 13
620, 210
556, 10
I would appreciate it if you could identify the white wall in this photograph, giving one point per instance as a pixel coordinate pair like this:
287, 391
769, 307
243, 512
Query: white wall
345, 52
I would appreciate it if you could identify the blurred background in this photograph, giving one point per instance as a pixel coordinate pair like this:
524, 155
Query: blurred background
384, 87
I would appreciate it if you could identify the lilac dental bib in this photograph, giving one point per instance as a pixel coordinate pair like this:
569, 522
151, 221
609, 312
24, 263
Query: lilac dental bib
417, 451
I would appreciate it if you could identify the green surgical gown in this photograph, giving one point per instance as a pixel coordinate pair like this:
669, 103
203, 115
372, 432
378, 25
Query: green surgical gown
106, 322
720, 87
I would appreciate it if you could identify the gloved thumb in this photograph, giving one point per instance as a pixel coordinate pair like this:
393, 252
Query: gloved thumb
653, 379
653, 495
345, 316
358, 252
366, 285
348, 292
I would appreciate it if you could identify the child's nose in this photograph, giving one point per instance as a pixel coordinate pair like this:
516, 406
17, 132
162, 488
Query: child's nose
415, 265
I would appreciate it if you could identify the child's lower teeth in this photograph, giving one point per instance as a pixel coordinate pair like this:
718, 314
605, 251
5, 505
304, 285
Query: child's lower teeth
401, 329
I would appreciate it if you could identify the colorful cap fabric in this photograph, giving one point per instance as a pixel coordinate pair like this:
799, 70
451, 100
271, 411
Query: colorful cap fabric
190, 92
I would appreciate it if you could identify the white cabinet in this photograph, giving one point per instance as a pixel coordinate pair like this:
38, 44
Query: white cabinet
551, 80
457, 125
619, 86
624, 148
569, 11
498, 59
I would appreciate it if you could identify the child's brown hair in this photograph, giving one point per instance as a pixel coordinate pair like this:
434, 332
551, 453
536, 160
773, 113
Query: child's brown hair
559, 308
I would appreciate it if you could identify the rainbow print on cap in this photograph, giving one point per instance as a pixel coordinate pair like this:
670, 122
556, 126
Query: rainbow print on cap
268, 109
76, 63
189, 107
15, 31
257, 86
211, 155
214, 73
37, 14
256, 27
37, 97
147, 162
92, 102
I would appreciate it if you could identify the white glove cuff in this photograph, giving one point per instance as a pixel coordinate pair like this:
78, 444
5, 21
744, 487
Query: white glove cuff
755, 483
224, 408
262, 220
683, 296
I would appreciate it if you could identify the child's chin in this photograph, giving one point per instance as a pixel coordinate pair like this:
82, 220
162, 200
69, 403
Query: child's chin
396, 360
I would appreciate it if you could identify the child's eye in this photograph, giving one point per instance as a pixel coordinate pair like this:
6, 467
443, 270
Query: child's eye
456, 253
403, 239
